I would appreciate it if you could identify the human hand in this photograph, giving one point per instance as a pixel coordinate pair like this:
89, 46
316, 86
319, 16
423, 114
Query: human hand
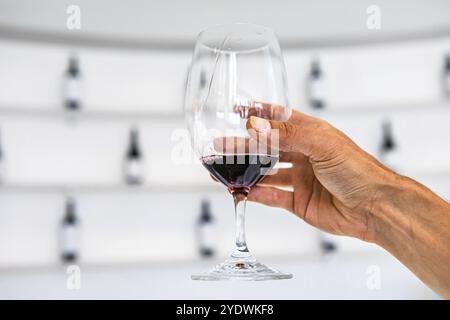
334, 183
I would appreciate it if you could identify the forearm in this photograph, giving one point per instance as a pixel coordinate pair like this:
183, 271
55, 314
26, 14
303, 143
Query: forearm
413, 224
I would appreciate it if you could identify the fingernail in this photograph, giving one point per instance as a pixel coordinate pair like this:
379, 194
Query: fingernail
260, 125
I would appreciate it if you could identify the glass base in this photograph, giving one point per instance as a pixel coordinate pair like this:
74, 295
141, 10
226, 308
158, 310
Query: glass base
235, 268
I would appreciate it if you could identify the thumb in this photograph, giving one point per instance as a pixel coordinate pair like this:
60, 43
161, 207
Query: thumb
283, 135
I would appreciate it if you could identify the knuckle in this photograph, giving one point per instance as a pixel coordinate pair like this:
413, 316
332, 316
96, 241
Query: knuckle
290, 129
287, 130
324, 126
287, 136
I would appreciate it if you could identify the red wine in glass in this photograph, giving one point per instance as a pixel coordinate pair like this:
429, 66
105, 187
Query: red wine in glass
239, 172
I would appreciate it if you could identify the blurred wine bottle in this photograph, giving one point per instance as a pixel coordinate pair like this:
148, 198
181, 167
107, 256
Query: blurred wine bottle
316, 86
446, 77
70, 233
328, 243
205, 231
133, 165
389, 148
203, 81
72, 85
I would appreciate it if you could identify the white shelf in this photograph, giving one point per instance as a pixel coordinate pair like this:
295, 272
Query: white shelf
85, 113
107, 188
442, 105
443, 174
195, 261
120, 42
425, 106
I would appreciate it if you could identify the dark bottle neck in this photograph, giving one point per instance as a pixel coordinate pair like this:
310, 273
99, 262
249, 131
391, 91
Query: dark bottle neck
74, 68
203, 79
205, 215
316, 71
388, 138
70, 216
133, 150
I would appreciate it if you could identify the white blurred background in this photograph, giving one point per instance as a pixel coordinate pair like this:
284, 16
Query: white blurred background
140, 241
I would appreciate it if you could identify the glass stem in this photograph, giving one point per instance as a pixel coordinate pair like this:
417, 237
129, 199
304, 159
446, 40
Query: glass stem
240, 201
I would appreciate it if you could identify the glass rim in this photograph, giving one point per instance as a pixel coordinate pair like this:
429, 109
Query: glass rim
251, 26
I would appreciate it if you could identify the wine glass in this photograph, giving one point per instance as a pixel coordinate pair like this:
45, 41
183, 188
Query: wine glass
237, 71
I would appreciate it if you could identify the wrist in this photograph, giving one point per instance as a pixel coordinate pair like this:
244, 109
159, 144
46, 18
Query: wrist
394, 195
399, 209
